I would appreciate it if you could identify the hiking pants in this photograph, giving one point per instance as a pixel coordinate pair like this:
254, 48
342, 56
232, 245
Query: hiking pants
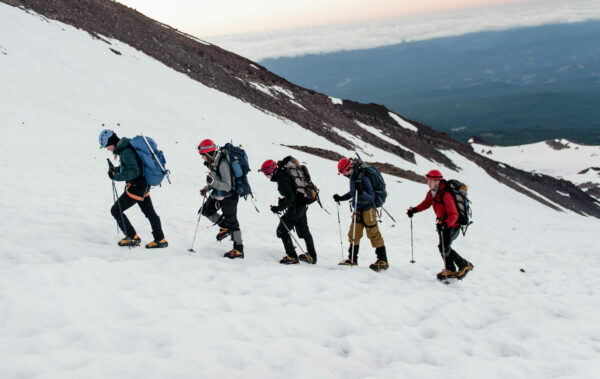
367, 220
125, 202
451, 258
295, 218
228, 217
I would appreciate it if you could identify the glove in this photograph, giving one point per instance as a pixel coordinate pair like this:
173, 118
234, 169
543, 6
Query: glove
204, 191
206, 164
111, 173
209, 179
410, 212
274, 209
441, 226
337, 198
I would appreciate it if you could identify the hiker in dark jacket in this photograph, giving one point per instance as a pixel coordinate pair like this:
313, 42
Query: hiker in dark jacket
446, 224
137, 191
219, 183
364, 216
294, 217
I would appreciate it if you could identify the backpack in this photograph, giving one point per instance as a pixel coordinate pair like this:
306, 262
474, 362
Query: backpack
238, 161
301, 178
376, 179
459, 190
153, 160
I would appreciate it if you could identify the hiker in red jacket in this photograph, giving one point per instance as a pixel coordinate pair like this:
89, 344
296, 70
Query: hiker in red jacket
447, 225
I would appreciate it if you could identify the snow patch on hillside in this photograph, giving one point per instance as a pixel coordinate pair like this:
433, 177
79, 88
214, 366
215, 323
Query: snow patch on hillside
336, 101
403, 123
376, 132
541, 157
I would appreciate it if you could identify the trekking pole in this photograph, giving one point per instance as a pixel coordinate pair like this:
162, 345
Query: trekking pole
412, 257
120, 212
114, 201
444, 256
387, 213
252, 201
290, 233
354, 224
116, 197
191, 249
340, 228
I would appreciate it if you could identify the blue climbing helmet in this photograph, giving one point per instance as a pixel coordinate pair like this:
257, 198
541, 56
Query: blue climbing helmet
104, 136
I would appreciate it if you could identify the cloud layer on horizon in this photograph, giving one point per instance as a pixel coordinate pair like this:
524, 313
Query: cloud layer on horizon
364, 35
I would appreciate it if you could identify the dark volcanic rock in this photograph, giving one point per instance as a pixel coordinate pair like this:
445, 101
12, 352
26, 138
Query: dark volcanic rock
382, 167
480, 141
557, 144
597, 169
241, 78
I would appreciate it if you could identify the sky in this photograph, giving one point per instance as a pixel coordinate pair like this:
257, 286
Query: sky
206, 18
262, 29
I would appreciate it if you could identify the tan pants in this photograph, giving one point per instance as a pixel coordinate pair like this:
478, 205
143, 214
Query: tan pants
369, 221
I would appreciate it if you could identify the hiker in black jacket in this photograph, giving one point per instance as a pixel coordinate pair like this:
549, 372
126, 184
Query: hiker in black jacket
295, 208
137, 191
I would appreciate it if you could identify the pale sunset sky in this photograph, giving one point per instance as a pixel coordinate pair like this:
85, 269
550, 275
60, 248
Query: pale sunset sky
206, 18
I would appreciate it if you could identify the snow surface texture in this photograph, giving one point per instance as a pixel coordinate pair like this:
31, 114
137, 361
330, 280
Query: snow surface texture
566, 163
74, 305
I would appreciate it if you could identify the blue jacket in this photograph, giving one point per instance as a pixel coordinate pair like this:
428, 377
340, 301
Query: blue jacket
366, 194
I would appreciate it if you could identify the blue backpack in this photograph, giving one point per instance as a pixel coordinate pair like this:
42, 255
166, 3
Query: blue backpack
153, 160
376, 179
238, 161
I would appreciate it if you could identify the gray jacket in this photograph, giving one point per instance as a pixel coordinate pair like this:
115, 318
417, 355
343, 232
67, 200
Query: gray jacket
220, 170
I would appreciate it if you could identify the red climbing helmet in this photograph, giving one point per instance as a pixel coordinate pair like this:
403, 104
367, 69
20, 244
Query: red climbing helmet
434, 175
268, 167
206, 146
344, 165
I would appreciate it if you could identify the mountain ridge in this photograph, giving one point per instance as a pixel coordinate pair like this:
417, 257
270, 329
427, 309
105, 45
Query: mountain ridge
252, 83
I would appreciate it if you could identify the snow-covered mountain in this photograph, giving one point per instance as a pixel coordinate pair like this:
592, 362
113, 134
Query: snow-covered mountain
73, 304
560, 158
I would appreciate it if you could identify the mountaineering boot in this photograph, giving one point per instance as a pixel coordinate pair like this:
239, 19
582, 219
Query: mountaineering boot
133, 242
157, 245
464, 271
307, 258
234, 254
446, 273
223, 233
379, 265
287, 260
352, 260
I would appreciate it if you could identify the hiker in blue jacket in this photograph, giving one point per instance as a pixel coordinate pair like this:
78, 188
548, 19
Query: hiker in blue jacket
364, 215
137, 191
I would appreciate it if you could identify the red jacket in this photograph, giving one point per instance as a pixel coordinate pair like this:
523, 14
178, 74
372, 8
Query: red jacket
445, 209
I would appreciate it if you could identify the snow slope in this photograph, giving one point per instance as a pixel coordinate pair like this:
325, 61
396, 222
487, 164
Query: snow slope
73, 304
566, 163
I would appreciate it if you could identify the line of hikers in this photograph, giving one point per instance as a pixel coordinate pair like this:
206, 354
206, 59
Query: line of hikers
227, 181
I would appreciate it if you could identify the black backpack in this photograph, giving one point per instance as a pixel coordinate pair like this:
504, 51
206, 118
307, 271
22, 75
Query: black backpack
459, 190
301, 178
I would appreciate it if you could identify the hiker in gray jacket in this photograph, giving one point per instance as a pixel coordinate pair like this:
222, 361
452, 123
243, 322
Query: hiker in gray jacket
219, 184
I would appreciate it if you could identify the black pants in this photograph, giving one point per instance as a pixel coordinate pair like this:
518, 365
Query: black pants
295, 218
125, 202
228, 217
451, 258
